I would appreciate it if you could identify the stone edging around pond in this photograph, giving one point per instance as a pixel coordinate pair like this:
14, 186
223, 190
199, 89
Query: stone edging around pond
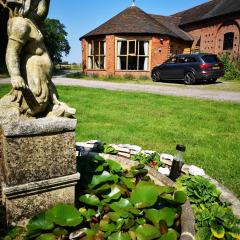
187, 217
127, 150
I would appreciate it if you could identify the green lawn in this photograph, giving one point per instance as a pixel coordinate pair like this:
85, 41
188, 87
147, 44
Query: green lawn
210, 130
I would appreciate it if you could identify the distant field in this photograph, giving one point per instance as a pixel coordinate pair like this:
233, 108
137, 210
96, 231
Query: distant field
210, 130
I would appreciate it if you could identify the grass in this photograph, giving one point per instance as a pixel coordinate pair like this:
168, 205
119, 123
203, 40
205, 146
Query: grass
210, 130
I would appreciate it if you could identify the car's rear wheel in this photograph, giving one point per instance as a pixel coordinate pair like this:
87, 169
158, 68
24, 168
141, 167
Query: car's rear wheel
189, 78
156, 75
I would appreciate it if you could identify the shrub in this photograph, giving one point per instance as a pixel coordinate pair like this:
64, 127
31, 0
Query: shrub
144, 78
128, 77
231, 66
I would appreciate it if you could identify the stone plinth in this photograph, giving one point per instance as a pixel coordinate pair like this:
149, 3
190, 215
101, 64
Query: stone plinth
37, 166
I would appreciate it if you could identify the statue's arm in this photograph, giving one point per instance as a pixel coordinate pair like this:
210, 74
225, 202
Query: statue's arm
42, 10
18, 32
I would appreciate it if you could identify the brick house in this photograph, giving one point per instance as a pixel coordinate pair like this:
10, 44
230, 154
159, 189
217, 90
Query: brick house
133, 42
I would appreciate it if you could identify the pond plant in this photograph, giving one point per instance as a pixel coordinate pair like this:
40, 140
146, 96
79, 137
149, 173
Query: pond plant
214, 220
112, 203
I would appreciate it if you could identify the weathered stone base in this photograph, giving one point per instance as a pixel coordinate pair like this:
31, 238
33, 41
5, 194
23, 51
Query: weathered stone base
24, 201
37, 166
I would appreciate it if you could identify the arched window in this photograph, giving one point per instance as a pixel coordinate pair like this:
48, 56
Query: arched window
228, 41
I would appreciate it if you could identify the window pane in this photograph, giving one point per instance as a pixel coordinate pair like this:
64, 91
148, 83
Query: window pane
122, 63
143, 48
228, 41
102, 62
132, 47
90, 62
132, 63
89, 49
96, 47
102, 48
123, 47
96, 62
143, 63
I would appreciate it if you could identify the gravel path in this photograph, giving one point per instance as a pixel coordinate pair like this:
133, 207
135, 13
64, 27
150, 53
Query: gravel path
161, 89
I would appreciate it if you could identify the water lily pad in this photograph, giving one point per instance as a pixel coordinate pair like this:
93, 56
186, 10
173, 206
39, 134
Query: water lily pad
145, 195
47, 236
60, 232
64, 215
170, 235
100, 179
114, 166
147, 232
38, 223
119, 236
123, 204
129, 182
180, 197
89, 199
166, 214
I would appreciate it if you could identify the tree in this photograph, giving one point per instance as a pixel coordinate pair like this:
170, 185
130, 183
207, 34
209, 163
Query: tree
55, 39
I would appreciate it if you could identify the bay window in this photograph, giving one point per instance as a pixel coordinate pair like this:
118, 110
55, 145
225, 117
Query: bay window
97, 55
133, 55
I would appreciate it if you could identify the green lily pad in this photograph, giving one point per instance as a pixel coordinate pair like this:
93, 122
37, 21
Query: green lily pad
114, 216
180, 197
119, 236
145, 195
47, 236
123, 204
100, 179
60, 232
170, 235
114, 166
147, 232
88, 214
129, 182
64, 215
38, 223
166, 214
89, 199
13, 233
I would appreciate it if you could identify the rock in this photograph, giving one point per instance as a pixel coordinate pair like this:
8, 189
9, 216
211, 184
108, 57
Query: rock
148, 152
95, 142
77, 234
164, 171
165, 156
119, 148
196, 171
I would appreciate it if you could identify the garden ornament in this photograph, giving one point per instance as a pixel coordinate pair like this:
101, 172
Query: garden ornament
33, 93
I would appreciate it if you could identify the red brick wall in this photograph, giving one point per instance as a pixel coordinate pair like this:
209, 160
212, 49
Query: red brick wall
159, 51
212, 34
110, 54
84, 55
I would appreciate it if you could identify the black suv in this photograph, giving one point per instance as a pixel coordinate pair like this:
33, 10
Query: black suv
191, 68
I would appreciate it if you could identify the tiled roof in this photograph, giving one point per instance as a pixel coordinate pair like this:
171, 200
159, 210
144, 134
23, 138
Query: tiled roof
210, 9
135, 21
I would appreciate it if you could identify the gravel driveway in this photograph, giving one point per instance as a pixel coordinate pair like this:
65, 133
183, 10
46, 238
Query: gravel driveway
156, 89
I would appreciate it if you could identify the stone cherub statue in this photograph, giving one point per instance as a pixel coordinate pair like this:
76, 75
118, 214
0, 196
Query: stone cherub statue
33, 93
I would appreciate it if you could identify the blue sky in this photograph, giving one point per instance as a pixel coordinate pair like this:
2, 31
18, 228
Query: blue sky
81, 16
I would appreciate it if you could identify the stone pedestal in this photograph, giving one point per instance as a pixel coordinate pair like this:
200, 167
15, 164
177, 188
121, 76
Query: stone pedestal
37, 166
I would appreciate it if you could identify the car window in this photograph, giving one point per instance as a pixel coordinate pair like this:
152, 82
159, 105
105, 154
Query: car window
171, 60
210, 58
181, 60
190, 60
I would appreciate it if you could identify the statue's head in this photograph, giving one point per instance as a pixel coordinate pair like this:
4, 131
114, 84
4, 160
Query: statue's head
38, 9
